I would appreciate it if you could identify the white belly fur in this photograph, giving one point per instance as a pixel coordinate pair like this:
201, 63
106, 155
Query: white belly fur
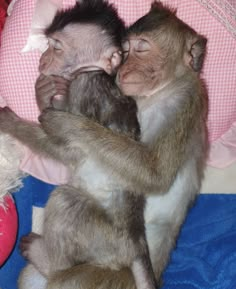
97, 181
183, 191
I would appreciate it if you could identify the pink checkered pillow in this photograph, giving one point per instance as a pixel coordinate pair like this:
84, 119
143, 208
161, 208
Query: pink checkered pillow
19, 70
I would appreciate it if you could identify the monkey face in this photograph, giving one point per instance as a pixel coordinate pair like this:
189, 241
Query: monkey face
142, 70
159, 48
53, 60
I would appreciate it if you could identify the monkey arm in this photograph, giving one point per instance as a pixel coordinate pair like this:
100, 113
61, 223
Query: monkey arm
139, 167
29, 134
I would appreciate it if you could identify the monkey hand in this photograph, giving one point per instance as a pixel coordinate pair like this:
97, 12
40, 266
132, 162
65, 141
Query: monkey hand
53, 122
51, 91
8, 119
62, 125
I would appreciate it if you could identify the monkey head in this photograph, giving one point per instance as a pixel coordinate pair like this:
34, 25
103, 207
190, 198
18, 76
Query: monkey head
158, 47
86, 36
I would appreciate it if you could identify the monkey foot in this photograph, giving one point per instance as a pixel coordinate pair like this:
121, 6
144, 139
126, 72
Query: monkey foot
25, 243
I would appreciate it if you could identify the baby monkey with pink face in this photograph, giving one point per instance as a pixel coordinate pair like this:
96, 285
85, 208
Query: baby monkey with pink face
93, 219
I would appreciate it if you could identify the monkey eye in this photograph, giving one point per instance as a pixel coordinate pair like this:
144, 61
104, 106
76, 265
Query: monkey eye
142, 46
57, 46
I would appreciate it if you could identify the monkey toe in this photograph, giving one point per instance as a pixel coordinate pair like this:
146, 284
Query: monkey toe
25, 243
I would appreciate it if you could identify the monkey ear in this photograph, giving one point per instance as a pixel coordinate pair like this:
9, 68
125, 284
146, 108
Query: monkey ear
110, 60
196, 50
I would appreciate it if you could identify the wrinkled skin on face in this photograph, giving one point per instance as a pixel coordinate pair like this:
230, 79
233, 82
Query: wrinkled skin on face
143, 67
157, 50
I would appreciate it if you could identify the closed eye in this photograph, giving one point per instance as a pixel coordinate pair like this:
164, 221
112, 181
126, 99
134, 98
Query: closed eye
142, 51
56, 44
142, 46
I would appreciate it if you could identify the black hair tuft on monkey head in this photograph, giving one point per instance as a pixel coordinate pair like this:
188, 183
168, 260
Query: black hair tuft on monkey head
98, 12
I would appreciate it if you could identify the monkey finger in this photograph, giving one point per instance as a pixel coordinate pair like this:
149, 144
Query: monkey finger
52, 87
62, 89
51, 83
46, 89
43, 80
62, 92
24, 246
64, 86
26, 241
29, 238
62, 80
24, 253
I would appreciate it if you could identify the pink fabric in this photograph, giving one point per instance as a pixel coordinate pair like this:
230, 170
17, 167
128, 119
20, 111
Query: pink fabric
19, 72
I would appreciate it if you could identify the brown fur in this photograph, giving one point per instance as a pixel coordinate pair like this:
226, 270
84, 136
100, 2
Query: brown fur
167, 165
154, 167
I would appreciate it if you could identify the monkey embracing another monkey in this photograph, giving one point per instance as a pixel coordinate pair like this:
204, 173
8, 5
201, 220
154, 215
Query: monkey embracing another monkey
104, 224
163, 58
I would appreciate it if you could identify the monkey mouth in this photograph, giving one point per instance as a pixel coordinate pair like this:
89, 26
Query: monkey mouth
135, 79
130, 82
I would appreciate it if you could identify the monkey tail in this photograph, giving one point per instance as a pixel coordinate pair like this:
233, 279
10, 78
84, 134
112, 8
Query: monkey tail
91, 277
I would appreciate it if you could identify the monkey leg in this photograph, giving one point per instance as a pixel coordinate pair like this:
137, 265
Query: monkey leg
161, 238
78, 229
143, 273
91, 277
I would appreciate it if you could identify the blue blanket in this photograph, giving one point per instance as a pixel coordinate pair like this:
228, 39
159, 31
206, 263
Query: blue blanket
205, 256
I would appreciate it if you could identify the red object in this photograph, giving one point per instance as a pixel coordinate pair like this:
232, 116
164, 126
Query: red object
8, 228
3, 13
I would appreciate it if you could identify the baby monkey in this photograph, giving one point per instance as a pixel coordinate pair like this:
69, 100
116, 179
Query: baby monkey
92, 219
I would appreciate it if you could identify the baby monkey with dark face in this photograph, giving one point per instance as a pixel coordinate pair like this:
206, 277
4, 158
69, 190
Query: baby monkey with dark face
92, 220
